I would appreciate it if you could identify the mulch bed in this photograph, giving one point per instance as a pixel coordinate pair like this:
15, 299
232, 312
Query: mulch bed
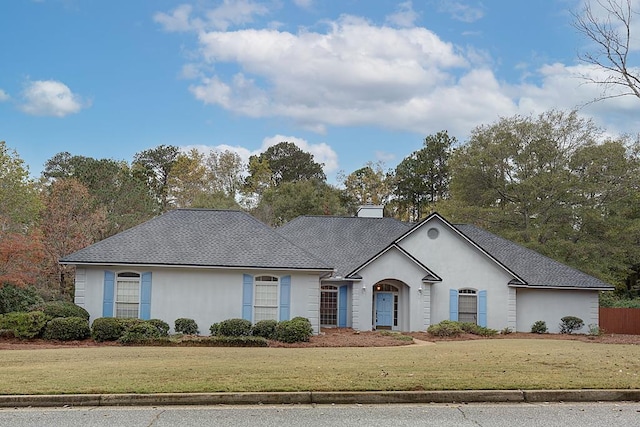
344, 337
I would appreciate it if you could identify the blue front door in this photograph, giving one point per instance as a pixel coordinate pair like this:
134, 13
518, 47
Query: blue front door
384, 309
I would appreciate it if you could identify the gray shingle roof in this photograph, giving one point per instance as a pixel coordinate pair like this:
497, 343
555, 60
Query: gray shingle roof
533, 267
199, 237
343, 242
222, 238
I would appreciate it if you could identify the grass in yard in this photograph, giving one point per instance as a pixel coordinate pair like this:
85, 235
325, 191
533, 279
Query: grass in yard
459, 365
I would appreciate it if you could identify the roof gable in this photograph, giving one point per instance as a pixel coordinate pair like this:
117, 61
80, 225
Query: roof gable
436, 217
199, 237
430, 277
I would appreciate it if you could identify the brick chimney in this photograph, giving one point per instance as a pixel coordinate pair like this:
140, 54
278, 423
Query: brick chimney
370, 211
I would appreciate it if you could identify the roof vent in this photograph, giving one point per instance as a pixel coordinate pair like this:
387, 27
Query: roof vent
370, 211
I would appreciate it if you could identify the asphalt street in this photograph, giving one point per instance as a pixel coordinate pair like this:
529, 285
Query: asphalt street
608, 414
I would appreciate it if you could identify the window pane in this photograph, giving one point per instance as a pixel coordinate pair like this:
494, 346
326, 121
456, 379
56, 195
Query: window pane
266, 294
266, 313
127, 297
467, 308
329, 308
127, 310
128, 291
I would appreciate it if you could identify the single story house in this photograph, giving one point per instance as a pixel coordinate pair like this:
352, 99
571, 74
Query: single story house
364, 272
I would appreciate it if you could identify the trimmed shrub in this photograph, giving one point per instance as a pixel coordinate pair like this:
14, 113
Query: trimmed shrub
129, 322
24, 324
186, 326
55, 309
446, 328
67, 329
234, 328
265, 329
539, 327
162, 326
568, 324
107, 329
14, 298
506, 331
302, 319
139, 333
295, 330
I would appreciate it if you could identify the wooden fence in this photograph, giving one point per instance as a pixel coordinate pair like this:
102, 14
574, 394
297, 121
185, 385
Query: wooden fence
620, 320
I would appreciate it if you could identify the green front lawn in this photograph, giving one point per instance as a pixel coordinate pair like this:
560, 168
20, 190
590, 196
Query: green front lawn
459, 365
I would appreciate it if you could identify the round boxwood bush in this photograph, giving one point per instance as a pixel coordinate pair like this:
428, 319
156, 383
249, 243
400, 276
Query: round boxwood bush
294, 330
107, 329
446, 328
234, 328
24, 325
55, 309
569, 324
67, 329
186, 326
265, 329
539, 327
140, 332
162, 326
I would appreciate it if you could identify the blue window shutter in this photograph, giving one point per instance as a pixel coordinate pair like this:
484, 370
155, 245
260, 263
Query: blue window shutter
453, 304
107, 293
342, 306
145, 296
285, 297
482, 308
247, 296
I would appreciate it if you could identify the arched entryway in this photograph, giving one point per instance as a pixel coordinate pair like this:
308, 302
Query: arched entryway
387, 304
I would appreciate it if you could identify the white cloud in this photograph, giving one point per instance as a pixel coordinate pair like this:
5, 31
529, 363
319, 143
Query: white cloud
404, 17
460, 11
50, 98
4, 96
353, 74
356, 73
177, 20
228, 13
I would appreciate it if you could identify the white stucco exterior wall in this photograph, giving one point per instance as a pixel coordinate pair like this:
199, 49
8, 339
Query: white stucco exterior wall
392, 266
206, 295
460, 265
551, 305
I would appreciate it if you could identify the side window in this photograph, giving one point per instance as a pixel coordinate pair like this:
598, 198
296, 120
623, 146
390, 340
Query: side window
467, 305
127, 298
265, 305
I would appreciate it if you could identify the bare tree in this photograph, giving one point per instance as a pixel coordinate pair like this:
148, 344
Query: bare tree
609, 26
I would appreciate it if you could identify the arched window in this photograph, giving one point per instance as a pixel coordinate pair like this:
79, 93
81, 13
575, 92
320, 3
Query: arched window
266, 298
329, 306
468, 305
127, 295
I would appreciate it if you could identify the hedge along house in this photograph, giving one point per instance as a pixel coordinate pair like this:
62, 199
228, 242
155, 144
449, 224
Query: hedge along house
365, 272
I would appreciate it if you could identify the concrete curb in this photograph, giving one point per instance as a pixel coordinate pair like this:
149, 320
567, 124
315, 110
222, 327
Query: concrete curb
373, 397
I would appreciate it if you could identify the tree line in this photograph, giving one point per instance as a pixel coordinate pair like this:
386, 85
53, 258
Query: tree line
553, 182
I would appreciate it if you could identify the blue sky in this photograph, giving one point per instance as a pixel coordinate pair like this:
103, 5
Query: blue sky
350, 81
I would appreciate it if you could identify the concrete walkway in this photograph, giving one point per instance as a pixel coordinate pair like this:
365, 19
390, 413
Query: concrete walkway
463, 396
